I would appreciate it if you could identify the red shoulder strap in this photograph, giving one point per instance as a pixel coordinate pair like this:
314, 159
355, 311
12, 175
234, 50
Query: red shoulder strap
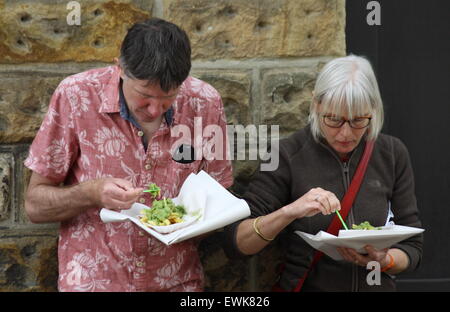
346, 205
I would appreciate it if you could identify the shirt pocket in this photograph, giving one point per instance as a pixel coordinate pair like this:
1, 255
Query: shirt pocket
177, 173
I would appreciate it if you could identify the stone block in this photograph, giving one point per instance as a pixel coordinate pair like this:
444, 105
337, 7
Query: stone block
38, 31
28, 261
235, 90
23, 103
260, 28
24, 175
5, 186
221, 273
270, 260
286, 97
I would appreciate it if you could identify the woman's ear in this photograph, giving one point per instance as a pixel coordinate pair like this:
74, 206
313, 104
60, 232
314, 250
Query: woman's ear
314, 105
314, 102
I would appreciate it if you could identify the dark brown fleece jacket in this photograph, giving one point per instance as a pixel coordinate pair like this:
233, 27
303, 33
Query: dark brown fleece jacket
305, 164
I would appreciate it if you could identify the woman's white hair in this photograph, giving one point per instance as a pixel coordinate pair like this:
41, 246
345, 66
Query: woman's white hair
347, 84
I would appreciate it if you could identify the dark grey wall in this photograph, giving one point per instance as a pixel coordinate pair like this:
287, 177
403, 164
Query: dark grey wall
410, 53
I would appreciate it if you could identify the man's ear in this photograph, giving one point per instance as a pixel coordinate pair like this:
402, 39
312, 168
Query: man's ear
117, 63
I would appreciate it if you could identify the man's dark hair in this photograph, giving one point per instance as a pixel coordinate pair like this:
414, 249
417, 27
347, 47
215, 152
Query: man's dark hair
157, 51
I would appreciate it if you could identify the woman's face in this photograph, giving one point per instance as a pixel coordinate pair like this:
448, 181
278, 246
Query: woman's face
343, 139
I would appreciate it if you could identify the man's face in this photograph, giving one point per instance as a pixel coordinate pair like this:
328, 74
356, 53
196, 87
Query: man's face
147, 102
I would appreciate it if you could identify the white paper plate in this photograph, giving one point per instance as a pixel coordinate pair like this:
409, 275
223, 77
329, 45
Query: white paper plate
164, 229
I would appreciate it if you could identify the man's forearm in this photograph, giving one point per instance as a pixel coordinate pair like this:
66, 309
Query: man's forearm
47, 203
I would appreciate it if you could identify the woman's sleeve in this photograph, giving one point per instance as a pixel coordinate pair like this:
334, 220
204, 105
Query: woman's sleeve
404, 204
267, 192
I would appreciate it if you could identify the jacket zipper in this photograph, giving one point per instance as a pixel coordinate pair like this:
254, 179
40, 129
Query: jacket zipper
350, 219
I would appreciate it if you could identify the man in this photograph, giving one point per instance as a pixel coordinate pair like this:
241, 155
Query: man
106, 136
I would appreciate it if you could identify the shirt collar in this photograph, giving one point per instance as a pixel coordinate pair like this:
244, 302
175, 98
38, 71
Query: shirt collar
109, 95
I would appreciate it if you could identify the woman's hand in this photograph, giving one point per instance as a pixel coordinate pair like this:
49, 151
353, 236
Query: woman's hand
373, 254
317, 200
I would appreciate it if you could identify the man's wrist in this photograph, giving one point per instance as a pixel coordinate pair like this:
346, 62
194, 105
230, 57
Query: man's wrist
90, 190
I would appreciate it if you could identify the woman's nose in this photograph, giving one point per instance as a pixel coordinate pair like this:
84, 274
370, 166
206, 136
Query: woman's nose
345, 130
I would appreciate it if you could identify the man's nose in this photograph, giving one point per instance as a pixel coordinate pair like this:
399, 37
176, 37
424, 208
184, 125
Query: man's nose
154, 107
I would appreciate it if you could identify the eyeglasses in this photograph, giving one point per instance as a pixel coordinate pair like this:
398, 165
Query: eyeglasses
337, 122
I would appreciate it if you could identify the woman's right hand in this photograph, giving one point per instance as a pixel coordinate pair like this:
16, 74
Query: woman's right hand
316, 200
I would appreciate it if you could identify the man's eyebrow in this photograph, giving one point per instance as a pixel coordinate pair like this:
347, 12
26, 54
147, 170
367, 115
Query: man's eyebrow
142, 93
148, 95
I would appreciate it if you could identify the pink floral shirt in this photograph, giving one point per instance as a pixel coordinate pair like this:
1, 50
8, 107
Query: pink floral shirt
83, 137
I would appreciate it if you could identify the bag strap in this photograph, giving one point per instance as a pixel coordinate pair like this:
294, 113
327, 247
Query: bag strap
346, 205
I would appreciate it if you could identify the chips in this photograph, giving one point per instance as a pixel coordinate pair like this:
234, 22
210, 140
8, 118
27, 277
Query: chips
163, 212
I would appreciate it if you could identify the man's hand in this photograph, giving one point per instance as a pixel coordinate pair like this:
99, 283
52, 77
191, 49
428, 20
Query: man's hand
115, 194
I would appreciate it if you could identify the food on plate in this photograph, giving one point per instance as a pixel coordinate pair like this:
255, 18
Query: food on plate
162, 212
365, 226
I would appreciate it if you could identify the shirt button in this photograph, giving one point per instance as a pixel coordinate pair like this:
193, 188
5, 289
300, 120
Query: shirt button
141, 233
148, 166
140, 133
142, 200
139, 264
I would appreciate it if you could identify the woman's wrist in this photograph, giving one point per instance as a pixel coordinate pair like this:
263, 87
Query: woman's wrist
388, 262
258, 231
385, 260
288, 213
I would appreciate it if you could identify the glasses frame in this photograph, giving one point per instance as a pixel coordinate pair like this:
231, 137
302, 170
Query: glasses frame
343, 121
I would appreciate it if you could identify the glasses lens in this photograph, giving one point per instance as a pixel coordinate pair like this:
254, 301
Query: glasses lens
337, 122
334, 122
359, 123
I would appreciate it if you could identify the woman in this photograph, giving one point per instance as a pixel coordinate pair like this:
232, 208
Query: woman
316, 166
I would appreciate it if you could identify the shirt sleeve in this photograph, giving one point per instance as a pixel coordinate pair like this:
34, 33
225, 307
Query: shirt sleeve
55, 146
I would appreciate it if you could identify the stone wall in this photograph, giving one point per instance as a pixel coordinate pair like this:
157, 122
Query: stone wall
262, 56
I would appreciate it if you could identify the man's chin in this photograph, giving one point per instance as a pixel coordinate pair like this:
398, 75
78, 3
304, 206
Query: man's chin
146, 119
